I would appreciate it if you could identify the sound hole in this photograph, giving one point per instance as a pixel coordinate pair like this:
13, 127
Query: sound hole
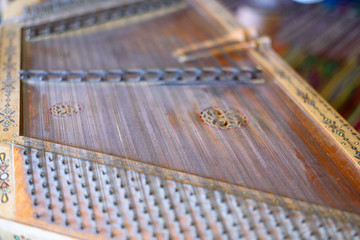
65, 109
223, 118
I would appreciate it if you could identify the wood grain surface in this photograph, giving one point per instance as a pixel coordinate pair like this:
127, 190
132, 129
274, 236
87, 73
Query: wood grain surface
145, 44
136, 161
280, 151
159, 124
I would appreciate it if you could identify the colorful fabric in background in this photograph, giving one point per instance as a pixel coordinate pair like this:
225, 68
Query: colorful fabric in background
322, 42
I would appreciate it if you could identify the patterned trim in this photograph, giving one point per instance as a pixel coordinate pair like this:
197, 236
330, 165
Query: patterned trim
9, 37
9, 110
6, 114
4, 178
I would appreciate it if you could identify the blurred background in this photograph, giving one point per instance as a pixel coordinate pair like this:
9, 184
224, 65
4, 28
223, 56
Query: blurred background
318, 38
321, 41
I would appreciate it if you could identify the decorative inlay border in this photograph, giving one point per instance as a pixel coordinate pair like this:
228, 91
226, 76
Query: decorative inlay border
9, 66
9, 111
4, 178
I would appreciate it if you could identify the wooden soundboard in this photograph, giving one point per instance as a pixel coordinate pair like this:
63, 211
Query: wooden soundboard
164, 119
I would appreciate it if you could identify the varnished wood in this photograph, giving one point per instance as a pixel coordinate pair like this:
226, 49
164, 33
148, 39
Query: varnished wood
115, 115
73, 168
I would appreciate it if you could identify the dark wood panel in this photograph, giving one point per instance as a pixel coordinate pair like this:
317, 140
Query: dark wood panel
147, 44
159, 124
279, 151
286, 149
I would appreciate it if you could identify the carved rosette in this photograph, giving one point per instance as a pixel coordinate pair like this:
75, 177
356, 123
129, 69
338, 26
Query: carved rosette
223, 118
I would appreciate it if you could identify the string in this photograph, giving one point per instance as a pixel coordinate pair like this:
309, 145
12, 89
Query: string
92, 88
81, 165
84, 124
119, 118
136, 89
202, 64
211, 35
158, 61
228, 58
41, 151
235, 64
263, 99
237, 137
112, 110
238, 53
